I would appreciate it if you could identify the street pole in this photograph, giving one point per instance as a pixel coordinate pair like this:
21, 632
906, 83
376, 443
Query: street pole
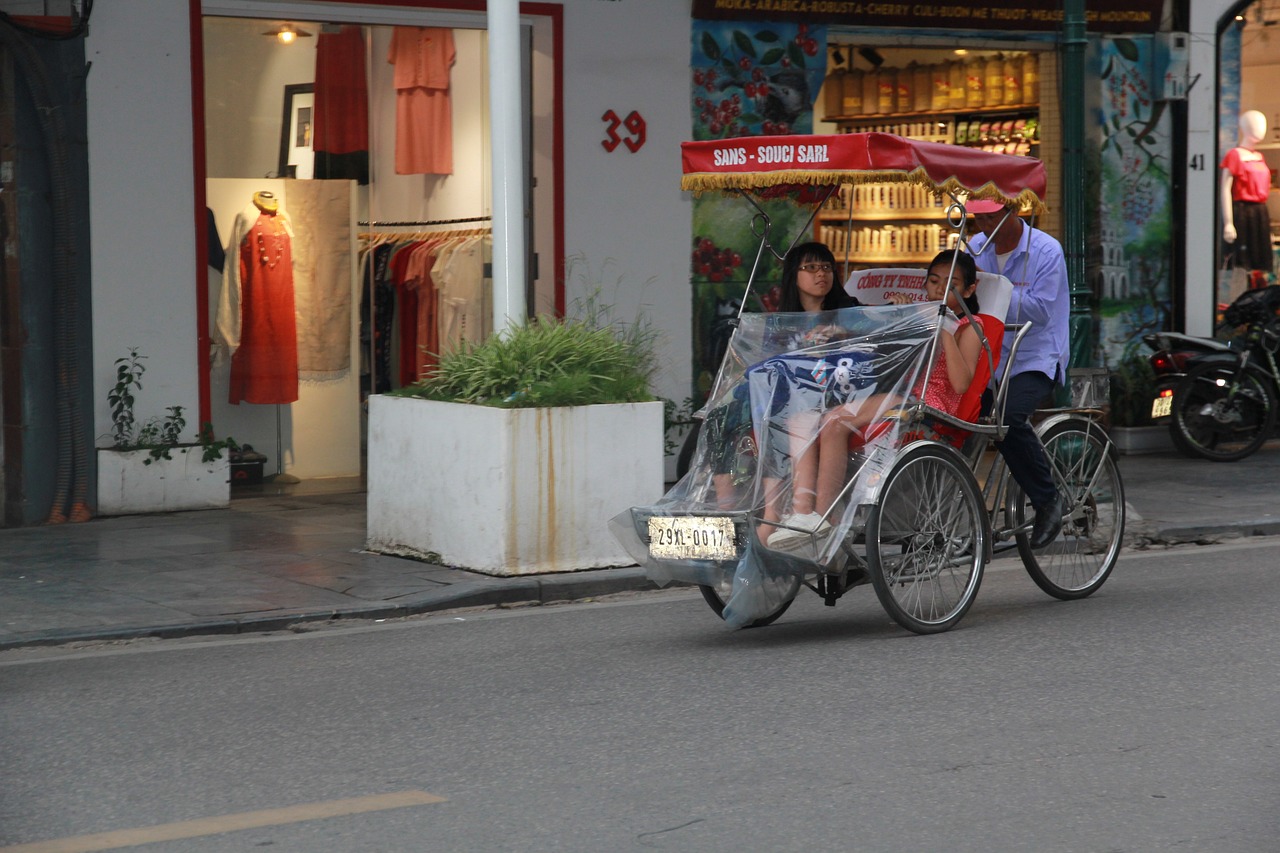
1074, 42
506, 141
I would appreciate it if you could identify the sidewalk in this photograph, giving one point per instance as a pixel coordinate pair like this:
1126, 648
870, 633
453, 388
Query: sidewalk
272, 561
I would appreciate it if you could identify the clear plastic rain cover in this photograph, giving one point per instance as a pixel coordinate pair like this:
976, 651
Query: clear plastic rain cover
748, 517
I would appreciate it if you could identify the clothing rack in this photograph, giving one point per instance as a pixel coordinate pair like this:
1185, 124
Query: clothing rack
410, 224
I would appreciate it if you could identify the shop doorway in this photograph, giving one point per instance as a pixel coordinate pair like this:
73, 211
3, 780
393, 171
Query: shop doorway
347, 189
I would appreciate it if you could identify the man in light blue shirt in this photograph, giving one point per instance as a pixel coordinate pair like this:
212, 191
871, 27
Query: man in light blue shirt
1034, 262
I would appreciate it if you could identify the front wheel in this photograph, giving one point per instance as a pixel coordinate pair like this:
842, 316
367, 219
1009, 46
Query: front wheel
927, 539
1078, 562
1222, 412
718, 595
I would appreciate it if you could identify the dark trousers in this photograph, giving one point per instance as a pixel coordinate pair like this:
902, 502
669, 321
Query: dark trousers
1021, 449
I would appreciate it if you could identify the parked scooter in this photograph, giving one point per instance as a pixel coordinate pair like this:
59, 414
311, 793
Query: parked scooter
1220, 397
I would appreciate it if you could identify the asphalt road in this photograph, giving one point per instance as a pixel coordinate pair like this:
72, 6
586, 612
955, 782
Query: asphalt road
1142, 719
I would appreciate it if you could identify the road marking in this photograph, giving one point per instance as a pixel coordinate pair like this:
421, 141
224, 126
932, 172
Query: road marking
226, 823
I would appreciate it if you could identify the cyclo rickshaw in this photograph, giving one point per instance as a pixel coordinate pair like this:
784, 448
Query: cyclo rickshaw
924, 501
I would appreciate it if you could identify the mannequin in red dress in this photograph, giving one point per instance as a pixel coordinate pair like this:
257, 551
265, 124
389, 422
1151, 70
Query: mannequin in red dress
264, 368
1246, 185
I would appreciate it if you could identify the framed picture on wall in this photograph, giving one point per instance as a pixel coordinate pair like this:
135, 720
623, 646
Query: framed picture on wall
297, 159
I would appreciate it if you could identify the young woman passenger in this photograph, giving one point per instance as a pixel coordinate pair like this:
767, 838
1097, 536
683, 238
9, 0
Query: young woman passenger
808, 285
819, 471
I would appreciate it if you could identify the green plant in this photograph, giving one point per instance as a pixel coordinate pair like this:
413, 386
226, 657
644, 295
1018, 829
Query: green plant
1133, 384
157, 435
546, 362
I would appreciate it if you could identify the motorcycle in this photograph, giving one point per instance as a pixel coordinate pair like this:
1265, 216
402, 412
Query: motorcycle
1220, 397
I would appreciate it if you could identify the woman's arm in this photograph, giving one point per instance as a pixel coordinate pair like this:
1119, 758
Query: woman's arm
962, 349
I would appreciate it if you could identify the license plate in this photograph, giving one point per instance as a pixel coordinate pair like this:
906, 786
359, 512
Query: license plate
1162, 407
690, 537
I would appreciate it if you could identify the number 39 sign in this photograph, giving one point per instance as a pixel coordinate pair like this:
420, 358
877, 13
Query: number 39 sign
634, 123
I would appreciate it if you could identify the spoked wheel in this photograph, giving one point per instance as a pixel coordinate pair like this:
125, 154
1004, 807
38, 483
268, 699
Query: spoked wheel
1078, 562
718, 595
927, 539
1222, 413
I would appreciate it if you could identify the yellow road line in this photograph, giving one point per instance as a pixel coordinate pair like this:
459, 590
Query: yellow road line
226, 823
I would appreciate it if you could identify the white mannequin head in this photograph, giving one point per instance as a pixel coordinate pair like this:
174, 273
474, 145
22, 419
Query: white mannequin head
1253, 128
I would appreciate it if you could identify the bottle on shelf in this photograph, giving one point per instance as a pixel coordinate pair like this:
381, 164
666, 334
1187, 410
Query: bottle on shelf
993, 81
1013, 79
851, 86
833, 93
1030, 78
974, 72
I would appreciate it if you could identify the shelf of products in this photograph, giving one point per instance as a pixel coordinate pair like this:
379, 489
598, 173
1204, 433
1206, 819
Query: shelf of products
989, 103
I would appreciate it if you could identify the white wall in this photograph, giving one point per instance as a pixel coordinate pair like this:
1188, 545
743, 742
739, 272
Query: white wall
142, 202
626, 217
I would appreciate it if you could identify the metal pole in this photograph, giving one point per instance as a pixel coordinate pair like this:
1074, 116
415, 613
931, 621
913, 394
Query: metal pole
1074, 42
506, 141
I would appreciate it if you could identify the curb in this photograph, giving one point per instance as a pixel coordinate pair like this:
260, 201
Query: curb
489, 593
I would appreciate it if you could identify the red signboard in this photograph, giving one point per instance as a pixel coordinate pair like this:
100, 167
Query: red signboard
1103, 16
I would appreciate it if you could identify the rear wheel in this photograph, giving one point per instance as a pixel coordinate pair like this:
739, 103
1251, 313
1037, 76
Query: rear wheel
927, 540
1222, 413
1078, 562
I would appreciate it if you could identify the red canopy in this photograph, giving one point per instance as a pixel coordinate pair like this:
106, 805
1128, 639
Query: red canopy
757, 162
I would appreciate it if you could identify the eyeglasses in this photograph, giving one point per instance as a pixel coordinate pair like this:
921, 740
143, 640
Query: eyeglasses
816, 268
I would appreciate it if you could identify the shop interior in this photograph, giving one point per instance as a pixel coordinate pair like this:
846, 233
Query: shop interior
991, 98
348, 188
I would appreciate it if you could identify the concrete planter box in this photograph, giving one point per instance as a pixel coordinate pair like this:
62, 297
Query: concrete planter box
508, 491
1145, 439
126, 485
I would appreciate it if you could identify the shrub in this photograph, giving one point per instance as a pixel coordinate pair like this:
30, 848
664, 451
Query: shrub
547, 362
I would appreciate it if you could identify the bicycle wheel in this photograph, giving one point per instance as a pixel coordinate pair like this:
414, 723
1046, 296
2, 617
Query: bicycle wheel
927, 540
717, 596
1222, 413
1078, 562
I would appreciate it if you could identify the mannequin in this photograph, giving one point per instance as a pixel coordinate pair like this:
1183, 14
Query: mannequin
1246, 183
266, 202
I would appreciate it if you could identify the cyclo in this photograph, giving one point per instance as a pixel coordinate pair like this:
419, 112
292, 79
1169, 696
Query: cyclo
926, 502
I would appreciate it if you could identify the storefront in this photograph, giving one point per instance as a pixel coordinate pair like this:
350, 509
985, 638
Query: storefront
348, 184
986, 76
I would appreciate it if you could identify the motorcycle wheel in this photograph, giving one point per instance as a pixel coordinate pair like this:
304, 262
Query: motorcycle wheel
1222, 413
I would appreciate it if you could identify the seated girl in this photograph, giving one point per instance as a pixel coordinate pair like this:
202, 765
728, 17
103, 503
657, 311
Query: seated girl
820, 466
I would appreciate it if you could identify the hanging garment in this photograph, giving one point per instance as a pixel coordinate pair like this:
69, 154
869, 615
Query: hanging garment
340, 127
459, 277
256, 322
422, 57
418, 277
320, 217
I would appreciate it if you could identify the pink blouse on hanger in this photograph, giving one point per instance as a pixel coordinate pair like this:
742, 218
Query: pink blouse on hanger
423, 57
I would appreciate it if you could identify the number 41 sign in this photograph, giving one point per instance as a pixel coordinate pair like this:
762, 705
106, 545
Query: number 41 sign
634, 123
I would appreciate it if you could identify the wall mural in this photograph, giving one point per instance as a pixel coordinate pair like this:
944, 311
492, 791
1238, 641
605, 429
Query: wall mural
1130, 242
748, 79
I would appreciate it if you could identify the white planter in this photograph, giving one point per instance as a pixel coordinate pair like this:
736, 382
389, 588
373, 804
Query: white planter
508, 491
126, 485
1137, 440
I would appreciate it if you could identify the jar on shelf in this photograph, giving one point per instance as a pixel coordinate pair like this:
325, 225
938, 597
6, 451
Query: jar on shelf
887, 78
1030, 78
833, 93
851, 86
939, 95
922, 89
1013, 79
871, 92
974, 78
958, 80
993, 81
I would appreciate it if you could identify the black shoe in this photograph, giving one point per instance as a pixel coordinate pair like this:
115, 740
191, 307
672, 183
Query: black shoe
1047, 526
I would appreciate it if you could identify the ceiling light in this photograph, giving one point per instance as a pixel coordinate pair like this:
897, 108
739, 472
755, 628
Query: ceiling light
287, 33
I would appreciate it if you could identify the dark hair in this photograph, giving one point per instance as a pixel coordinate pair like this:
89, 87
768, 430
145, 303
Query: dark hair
968, 272
813, 251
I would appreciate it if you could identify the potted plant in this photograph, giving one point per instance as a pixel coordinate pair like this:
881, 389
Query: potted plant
1133, 386
510, 458
148, 468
